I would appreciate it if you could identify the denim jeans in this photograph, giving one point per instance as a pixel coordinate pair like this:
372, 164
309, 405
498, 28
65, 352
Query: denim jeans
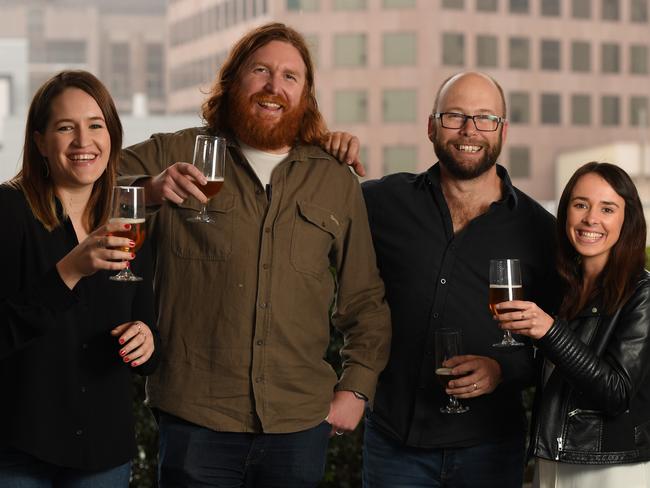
389, 464
20, 470
192, 456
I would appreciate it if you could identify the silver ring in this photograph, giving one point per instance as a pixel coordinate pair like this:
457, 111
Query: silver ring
475, 387
338, 432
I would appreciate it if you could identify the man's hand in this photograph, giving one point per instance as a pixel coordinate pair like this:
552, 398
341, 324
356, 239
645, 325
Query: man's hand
345, 412
175, 184
345, 147
483, 375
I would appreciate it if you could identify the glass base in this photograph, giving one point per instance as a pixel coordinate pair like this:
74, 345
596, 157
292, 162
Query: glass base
125, 275
458, 409
200, 219
508, 342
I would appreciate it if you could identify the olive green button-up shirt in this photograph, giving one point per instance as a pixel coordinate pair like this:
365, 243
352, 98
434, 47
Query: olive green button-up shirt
244, 303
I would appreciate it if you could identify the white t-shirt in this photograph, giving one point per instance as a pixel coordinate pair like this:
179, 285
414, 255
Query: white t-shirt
263, 163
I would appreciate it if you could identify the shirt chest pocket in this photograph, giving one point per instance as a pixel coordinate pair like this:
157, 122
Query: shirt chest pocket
210, 241
314, 231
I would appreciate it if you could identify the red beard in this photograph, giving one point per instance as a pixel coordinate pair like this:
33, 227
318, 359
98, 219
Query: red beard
265, 133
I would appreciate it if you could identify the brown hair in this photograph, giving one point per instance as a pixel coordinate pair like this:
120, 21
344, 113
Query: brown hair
618, 278
215, 108
34, 179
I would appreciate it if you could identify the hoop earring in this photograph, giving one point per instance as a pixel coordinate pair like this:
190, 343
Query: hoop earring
46, 168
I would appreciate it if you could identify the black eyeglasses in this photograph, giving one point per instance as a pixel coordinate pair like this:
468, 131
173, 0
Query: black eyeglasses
482, 122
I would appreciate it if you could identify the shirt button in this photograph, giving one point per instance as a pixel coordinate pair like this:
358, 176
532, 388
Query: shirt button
259, 379
435, 315
263, 305
83, 389
84, 346
443, 281
594, 310
79, 432
265, 266
267, 229
260, 342
259, 191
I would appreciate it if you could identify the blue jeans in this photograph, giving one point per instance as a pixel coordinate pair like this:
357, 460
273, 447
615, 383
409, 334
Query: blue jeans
20, 470
192, 456
389, 464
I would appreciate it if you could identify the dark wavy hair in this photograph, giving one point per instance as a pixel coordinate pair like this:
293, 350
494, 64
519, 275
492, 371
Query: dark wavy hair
215, 108
34, 178
618, 278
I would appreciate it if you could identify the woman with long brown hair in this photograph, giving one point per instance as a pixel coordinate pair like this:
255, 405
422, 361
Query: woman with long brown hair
69, 337
591, 422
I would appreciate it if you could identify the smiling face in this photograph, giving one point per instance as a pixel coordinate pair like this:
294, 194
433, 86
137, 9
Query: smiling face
595, 217
75, 142
467, 153
268, 104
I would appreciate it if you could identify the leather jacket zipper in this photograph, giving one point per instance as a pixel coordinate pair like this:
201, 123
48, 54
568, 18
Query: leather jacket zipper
559, 448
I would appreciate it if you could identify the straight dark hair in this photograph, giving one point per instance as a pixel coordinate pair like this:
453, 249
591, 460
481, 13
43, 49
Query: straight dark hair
619, 277
33, 179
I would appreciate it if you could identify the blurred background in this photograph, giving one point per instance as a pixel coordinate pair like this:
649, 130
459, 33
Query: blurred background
576, 75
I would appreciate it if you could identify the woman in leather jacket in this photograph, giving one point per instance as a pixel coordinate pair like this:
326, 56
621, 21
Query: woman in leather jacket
591, 422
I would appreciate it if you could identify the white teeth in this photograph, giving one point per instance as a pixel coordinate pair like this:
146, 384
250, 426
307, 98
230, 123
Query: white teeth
466, 148
82, 157
270, 105
590, 235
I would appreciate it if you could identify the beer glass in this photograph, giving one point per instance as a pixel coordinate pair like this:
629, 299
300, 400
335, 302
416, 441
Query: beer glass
448, 344
127, 207
505, 285
210, 159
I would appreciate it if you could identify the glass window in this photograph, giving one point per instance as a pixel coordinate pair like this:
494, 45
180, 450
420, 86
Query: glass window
120, 75
519, 108
350, 49
313, 45
486, 5
519, 162
580, 109
519, 6
400, 48
638, 59
519, 48
639, 11
350, 5
350, 106
486, 51
610, 58
400, 158
306, 5
639, 115
610, 9
551, 8
400, 105
580, 56
550, 108
453, 49
155, 70
550, 58
581, 9
453, 4
610, 110
399, 3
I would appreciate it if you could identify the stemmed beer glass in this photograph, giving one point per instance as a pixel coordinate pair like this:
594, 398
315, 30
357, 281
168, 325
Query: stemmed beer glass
127, 207
448, 344
210, 159
505, 285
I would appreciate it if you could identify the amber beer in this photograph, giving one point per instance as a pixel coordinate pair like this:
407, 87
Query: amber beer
136, 233
504, 293
444, 376
212, 187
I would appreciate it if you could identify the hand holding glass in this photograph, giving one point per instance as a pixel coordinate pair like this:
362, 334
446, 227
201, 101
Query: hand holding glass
505, 285
448, 344
210, 159
128, 207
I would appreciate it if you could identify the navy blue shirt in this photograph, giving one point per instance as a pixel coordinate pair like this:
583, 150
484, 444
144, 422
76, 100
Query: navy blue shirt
436, 279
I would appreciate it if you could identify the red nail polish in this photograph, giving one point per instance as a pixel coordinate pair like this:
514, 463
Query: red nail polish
132, 256
127, 226
122, 352
121, 341
134, 363
131, 244
126, 359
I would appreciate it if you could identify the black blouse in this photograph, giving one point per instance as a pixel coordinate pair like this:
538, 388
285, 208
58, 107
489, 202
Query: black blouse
67, 395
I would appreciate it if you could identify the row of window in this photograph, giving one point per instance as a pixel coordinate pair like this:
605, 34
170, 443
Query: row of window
610, 10
196, 72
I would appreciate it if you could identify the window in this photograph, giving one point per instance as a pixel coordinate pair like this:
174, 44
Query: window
519, 162
155, 71
519, 108
350, 5
453, 4
581, 9
59, 51
519, 48
399, 3
120, 70
519, 6
400, 105
639, 59
550, 59
550, 108
610, 110
639, 115
350, 49
6, 106
551, 8
350, 106
581, 56
306, 5
312, 44
580, 109
400, 48
453, 49
400, 158
486, 51
610, 9
486, 5
639, 11
610, 58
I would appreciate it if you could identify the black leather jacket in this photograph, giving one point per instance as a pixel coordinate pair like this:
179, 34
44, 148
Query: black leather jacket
595, 405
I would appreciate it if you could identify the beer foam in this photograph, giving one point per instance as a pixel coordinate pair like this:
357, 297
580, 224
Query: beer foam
216, 178
126, 221
444, 371
506, 286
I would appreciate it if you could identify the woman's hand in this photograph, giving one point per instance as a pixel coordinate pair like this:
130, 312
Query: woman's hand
524, 318
136, 341
99, 250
